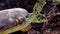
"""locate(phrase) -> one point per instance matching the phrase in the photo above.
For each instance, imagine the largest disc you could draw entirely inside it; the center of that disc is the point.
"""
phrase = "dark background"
(26, 4)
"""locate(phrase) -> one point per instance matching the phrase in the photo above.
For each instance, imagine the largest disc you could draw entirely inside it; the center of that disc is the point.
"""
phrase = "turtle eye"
(1, 28)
